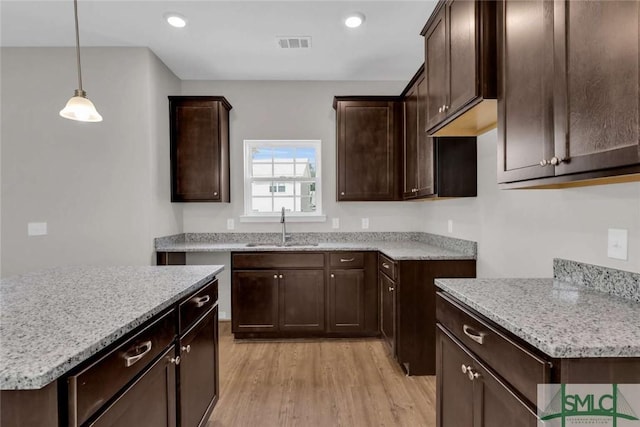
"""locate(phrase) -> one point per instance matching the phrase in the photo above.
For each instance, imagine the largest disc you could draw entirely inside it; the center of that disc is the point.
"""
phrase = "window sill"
(289, 218)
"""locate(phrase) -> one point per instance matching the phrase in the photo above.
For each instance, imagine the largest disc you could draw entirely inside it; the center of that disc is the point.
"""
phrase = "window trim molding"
(316, 216)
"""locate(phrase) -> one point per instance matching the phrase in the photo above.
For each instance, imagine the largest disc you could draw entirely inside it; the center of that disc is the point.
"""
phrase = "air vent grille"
(294, 42)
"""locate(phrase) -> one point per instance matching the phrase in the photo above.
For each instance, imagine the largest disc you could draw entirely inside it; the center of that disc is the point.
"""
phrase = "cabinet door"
(199, 370)
(197, 155)
(388, 311)
(410, 143)
(436, 70)
(367, 150)
(149, 402)
(598, 91)
(461, 52)
(425, 147)
(454, 395)
(301, 300)
(346, 300)
(525, 90)
(254, 301)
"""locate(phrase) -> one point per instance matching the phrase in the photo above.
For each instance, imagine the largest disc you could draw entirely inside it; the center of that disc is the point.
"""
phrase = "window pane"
(283, 169)
(261, 188)
(283, 154)
(262, 204)
(279, 202)
(262, 169)
(305, 204)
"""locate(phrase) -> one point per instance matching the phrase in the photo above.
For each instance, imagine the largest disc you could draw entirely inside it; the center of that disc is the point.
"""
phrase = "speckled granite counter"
(53, 320)
(561, 318)
(399, 246)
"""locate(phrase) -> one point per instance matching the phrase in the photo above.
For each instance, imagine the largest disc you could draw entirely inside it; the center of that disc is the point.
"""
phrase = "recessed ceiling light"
(354, 20)
(176, 20)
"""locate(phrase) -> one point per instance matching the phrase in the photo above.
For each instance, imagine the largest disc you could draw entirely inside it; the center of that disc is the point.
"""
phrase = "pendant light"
(79, 107)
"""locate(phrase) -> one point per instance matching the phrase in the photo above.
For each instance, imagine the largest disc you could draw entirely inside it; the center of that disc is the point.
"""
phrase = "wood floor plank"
(290, 383)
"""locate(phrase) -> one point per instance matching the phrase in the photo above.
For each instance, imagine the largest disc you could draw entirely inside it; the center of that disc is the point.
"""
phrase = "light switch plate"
(365, 223)
(231, 224)
(335, 223)
(617, 244)
(450, 226)
(37, 229)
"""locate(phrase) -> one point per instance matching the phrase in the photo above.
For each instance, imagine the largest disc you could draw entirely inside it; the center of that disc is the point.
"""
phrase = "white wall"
(519, 232)
(99, 186)
(290, 110)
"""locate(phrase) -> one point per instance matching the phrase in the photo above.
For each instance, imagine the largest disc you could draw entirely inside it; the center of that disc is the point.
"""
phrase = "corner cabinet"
(578, 116)
(434, 167)
(460, 68)
(369, 131)
(199, 130)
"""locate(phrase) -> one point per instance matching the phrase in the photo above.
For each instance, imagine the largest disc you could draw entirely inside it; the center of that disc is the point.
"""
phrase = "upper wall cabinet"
(369, 131)
(199, 148)
(460, 66)
(569, 92)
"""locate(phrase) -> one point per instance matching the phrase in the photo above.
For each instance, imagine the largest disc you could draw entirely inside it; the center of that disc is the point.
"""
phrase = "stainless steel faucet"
(284, 228)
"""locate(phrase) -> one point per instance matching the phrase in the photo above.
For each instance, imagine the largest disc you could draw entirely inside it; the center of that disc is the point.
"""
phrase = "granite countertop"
(560, 318)
(403, 246)
(51, 321)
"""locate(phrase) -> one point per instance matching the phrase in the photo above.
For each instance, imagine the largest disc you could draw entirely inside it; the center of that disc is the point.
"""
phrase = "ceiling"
(236, 40)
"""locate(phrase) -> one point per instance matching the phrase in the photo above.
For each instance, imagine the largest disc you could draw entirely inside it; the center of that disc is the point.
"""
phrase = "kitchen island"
(498, 339)
(76, 341)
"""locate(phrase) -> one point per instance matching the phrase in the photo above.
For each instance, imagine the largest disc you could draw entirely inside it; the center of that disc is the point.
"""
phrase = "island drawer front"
(197, 305)
(265, 260)
(94, 386)
(346, 260)
(523, 369)
(388, 266)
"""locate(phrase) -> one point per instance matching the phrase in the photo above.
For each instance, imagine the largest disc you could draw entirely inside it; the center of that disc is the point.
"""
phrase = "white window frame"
(249, 215)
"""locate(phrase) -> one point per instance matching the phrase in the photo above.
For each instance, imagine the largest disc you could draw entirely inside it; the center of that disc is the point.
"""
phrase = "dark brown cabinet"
(460, 63)
(408, 316)
(254, 301)
(346, 293)
(578, 116)
(199, 129)
(301, 294)
(469, 394)
(149, 401)
(199, 383)
(368, 148)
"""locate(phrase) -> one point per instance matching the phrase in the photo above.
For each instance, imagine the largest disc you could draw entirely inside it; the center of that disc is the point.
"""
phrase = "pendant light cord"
(75, 9)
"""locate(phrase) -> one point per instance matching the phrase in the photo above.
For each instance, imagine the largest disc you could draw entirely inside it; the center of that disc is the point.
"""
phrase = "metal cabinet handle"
(465, 368)
(342, 193)
(347, 259)
(186, 348)
(141, 351)
(391, 289)
(202, 300)
(175, 360)
(215, 193)
(280, 276)
(472, 375)
(440, 110)
(275, 276)
(332, 276)
(385, 265)
(474, 335)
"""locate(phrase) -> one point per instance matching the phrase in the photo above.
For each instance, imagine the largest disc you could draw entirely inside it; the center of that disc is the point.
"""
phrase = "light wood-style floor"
(317, 383)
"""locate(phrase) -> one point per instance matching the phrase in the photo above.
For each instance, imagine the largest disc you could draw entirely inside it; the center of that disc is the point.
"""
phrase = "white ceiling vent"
(294, 42)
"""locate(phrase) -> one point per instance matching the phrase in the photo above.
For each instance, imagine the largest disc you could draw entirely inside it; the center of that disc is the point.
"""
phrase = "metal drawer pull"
(202, 300)
(333, 276)
(186, 348)
(467, 370)
(385, 265)
(347, 260)
(142, 350)
(175, 360)
(476, 336)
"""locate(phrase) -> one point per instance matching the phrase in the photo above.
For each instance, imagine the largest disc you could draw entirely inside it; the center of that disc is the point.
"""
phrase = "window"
(281, 174)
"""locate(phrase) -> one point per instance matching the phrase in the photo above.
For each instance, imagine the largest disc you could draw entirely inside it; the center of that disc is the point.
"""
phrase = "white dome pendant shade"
(79, 107)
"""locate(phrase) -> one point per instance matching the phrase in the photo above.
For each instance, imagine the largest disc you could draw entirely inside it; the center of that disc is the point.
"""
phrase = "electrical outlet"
(365, 223)
(335, 223)
(231, 224)
(617, 244)
(37, 229)
(450, 226)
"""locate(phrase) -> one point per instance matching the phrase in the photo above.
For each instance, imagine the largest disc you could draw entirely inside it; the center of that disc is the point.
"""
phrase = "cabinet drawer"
(95, 385)
(347, 260)
(519, 366)
(265, 260)
(197, 305)
(388, 266)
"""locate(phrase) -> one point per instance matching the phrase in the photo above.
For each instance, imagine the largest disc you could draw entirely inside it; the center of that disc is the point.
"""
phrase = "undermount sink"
(288, 244)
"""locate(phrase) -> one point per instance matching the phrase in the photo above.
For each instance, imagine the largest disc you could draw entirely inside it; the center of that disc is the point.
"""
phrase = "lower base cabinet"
(301, 304)
(198, 380)
(149, 401)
